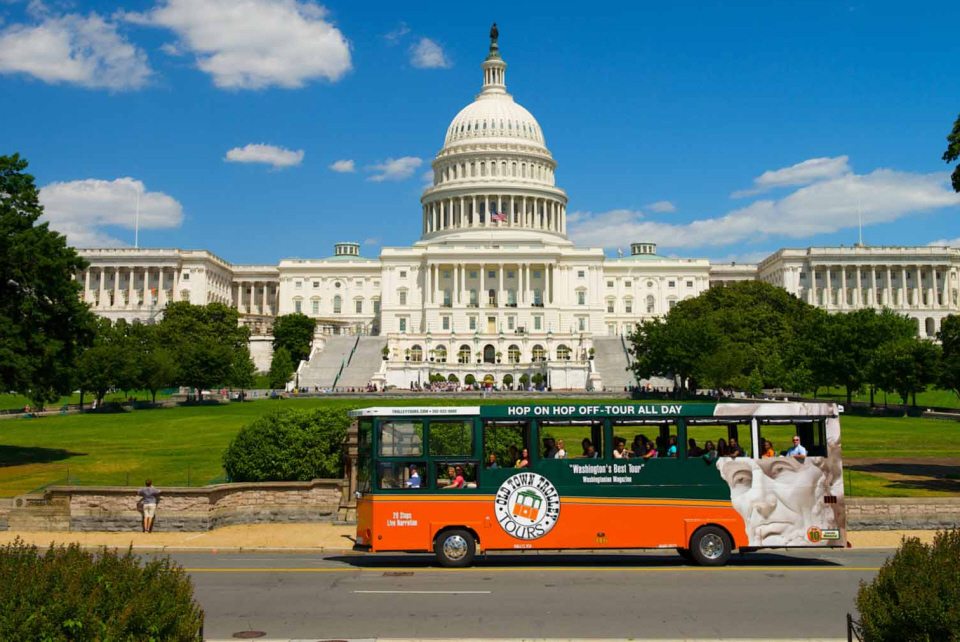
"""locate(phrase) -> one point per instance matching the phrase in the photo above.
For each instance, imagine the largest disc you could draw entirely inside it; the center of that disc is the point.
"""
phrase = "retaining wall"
(893, 513)
(111, 508)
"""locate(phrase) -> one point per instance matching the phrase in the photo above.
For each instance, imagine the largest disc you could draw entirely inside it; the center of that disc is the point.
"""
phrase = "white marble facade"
(494, 276)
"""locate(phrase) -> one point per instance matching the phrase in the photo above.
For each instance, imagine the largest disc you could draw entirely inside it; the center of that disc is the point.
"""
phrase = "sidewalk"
(314, 538)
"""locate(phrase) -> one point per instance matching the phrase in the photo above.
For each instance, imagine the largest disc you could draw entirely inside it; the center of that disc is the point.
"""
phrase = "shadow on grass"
(913, 475)
(21, 455)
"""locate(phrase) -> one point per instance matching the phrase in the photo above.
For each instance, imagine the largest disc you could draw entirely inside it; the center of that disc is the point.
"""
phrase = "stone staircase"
(611, 361)
(324, 365)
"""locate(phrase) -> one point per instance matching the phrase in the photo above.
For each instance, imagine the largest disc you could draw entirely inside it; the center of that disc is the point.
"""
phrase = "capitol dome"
(494, 174)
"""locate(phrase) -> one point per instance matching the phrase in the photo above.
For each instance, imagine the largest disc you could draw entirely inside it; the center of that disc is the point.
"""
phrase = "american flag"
(495, 215)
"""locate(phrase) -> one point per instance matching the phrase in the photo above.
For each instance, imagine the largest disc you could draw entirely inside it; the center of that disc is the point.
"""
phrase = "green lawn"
(928, 399)
(17, 402)
(175, 446)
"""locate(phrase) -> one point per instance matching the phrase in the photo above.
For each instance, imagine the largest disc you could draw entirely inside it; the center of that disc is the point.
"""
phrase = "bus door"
(400, 454)
(504, 442)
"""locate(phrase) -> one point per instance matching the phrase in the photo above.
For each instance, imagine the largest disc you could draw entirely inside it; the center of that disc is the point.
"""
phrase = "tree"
(242, 371)
(106, 363)
(906, 366)
(159, 371)
(949, 336)
(953, 153)
(204, 341)
(295, 333)
(281, 367)
(43, 323)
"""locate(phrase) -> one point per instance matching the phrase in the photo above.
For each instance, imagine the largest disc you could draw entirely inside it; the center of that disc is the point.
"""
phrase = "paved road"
(651, 595)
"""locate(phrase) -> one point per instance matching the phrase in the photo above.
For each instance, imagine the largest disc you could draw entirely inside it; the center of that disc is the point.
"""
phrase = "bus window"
(724, 435)
(402, 475)
(364, 453)
(454, 475)
(780, 434)
(577, 439)
(451, 438)
(504, 440)
(401, 438)
(647, 439)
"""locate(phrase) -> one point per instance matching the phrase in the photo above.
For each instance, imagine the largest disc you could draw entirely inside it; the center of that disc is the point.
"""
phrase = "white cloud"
(81, 50)
(804, 173)
(945, 242)
(395, 169)
(81, 209)
(427, 54)
(253, 44)
(662, 207)
(824, 207)
(373, 240)
(278, 157)
(344, 166)
(397, 34)
(427, 178)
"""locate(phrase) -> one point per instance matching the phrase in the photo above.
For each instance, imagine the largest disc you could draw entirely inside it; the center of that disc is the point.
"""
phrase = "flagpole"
(136, 227)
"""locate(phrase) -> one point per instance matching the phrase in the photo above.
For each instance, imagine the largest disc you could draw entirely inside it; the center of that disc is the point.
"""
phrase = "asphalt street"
(794, 594)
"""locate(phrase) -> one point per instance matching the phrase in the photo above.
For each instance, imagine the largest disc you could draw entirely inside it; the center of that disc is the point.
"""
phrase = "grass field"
(927, 399)
(181, 446)
(17, 402)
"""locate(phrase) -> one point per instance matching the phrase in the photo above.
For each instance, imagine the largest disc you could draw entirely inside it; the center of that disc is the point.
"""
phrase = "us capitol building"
(494, 288)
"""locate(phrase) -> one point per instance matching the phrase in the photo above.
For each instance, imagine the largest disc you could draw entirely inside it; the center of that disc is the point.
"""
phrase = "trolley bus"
(704, 479)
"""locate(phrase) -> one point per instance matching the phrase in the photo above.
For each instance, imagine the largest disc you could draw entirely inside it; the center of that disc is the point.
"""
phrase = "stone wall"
(893, 513)
(109, 508)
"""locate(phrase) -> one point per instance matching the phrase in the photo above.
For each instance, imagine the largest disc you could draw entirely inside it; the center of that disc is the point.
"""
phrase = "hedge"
(65, 593)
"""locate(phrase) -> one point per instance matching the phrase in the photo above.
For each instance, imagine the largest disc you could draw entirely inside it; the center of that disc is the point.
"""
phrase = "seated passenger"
(709, 452)
(722, 449)
(561, 451)
(591, 452)
(619, 450)
(524, 460)
(456, 478)
(549, 448)
(796, 450)
(651, 451)
(768, 450)
(414, 480)
(512, 454)
(693, 450)
(638, 447)
(672, 446)
(492, 462)
(734, 449)
(586, 443)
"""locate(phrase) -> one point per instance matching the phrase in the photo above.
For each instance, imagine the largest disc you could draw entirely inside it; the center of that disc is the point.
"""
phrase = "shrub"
(289, 445)
(66, 593)
(916, 594)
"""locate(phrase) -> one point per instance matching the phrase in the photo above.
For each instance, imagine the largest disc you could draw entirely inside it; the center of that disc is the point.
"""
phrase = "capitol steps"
(611, 361)
(365, 363)
(322, 368)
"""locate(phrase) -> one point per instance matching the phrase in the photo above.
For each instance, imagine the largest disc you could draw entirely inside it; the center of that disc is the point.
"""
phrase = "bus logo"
(527, 506)
(814, 534)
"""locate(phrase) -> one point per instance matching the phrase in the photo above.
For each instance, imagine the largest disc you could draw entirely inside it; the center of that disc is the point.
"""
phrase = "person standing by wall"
(149, 496)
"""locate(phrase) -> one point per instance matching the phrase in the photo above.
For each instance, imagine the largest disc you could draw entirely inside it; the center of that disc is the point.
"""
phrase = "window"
(337, 304)
(580, 439)
(651, 304)
(723, 433)
(463, 354)
(627, 284)
(628, 306)
(297, 306)
(416, 353)
(538, 322)
(298, 284)
(671, 303)
(581, 297)
(511, 322)
(403, 324)
(513, 354)
(473, 323)
(512, 298)
(689, 284)
(510, 274)
(451, 438)
(440, 354)
(447, 299)
(395, 475)
(635, 435)
(473, 298)
(563, 353)
(403, 274)
(538, 298)
(316, 284)
(403, 297)
(186, 276)
(445, 321)
(337, 284)
(609, 284)
(473, 274)
(537, 353)
(402, 438)
(649, 284)
(315, 306)
(446, 274)
(671, 284)
(610, 306)
(582, 324)
(581, 274)
(536, 274)
(504, 440)
(447, 472)
(376, 306)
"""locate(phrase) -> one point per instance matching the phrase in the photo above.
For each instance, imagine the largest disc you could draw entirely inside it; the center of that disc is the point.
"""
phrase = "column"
(427, 285)
(843, 286)
(131, 277)
(463, 282)
(828, 299)
(102, 291)
(86, 283)
(461, 220)
(874, 298)
(858, 291)
(548, 275)
(521, 284)
(888, 291)
(501, 300)
(936, 291)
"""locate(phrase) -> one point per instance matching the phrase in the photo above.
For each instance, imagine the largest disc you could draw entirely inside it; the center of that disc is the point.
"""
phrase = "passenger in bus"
(512, 454)
(561, 450)
(734, 449)
(693, 450)
(672, 446)
(492, 462)
(722, 449)
(639, 446)
(549, 448)
(651, 451)
(796, 450)
(591, 452)
(414, 480)
(768, 450)
(456, 478)
(620, 449)
(586, 443)
(709, 453)
(524, 459)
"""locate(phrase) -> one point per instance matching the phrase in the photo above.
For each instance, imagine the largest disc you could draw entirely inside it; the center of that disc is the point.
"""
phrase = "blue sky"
(722, 130)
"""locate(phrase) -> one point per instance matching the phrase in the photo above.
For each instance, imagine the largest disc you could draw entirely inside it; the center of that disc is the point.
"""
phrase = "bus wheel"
(455, 548)
(710, 546)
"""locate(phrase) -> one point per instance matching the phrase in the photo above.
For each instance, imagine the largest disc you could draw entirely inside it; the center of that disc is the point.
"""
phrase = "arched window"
(416, 353)
(563, 352)
(440, 354)
(463, 354)
(337, 304)
(651, 304)
(513, 354)
(492, 297)
(489, 354)
(931, 326)
(537, 353)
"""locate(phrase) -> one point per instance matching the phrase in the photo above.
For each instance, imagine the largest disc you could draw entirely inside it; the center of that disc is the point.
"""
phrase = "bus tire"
(455, 548)
(710, 546)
